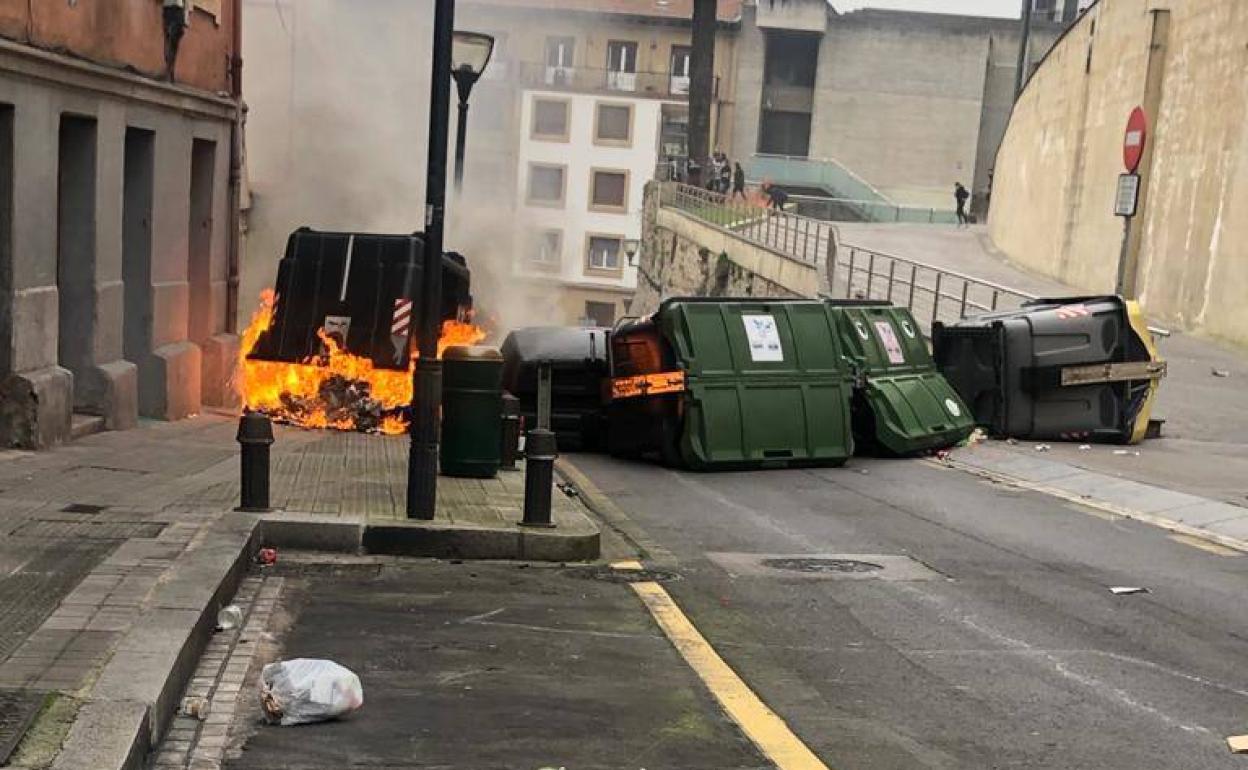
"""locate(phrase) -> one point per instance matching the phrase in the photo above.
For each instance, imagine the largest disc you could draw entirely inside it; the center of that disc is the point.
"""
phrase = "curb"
(1152, 519)
(612, 515)
(432, 540)
(136, 695)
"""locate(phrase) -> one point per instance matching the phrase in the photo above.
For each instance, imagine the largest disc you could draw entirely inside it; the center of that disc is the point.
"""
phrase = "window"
(604, 253)
(613, 124)
(600, 313)
(550, 119)
(608, 191)
(621, 56)
(622, 65)
(678, 83)
(546, 185)
(547, 248)
(559, 51)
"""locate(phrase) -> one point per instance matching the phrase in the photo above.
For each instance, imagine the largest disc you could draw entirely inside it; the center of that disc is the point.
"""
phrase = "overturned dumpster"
(901, 404)
(578, 363)
(718, 384)
(362, 290)
(1078, 368)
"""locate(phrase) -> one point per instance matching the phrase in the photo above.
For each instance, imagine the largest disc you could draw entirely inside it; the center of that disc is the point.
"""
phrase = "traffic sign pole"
(1126, 201)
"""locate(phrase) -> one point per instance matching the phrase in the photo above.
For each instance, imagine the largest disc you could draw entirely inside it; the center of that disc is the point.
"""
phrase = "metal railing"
(538, 75)
(791, 235)
(931, 293)
(832, 209)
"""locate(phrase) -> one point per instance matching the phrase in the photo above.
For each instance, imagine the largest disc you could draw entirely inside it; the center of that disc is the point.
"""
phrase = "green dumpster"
(902, 405)
(472, 411)
(717, 384)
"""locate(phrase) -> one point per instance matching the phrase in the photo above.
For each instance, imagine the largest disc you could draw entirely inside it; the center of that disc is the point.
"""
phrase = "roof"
(728, 10)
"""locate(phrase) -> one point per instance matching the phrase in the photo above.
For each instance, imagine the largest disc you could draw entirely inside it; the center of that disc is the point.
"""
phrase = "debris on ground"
(1128, 590)
(344, 402)
(1085, 447)
(1012, 441)
(977, 437)
(304, 690)
(944, 455)
(267, 556)
(1043, 447)
(1127, 452)
(1221, 373)
(229, 617)
(197, 708)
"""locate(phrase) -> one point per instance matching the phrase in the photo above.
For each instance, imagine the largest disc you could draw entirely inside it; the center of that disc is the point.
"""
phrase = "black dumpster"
(578, 358)
(1077, 368)
(362, 289)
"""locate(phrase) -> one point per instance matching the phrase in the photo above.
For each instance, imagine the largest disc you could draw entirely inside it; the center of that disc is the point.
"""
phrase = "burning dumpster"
(731, 383)
(1079, 368)
(332, 344)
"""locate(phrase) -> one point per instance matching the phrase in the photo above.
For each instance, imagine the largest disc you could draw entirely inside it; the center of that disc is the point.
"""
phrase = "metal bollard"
(511, 432)
(255, 436)
(540, 452)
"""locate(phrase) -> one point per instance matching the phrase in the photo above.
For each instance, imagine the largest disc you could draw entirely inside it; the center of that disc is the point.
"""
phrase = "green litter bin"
(472, 411)
(902, 404)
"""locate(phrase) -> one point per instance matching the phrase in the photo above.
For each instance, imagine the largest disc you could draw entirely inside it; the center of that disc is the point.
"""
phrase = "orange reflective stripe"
(647, 384)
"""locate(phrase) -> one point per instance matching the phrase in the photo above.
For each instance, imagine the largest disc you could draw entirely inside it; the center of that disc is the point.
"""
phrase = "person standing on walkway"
(738, 181)
(725, 176)
(960, 195)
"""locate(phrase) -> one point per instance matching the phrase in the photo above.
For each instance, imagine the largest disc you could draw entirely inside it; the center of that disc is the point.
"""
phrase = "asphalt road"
(990, 638)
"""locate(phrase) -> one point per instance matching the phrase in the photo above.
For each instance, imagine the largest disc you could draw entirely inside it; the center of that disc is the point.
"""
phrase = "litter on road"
(1221, 373)
(1128, 590)
(1043, 447)
(303, 690)
(229, 617)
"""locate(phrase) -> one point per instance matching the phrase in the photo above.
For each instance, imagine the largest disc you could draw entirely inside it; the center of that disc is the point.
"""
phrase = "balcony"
(652, 85)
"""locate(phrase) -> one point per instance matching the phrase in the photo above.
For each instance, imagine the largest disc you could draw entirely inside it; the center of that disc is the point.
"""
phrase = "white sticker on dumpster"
(888, 338)
(764, 337)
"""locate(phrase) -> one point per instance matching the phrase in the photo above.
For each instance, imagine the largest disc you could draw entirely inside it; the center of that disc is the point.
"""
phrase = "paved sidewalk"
(118, 549)
(1204, 451)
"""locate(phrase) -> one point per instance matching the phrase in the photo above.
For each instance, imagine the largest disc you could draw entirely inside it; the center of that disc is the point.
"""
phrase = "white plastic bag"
(304, 690)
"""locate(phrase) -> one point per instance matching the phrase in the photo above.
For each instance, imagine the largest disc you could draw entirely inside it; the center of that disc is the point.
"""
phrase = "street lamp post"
(470, 52)
(422, 460)
(631, 247)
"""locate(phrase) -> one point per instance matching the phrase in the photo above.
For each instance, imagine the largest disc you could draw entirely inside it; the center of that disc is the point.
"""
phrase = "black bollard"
(511, 431)
(255, 436)
(540, 452)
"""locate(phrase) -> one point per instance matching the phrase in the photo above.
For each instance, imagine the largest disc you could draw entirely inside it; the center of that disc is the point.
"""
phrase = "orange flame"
(292, 393)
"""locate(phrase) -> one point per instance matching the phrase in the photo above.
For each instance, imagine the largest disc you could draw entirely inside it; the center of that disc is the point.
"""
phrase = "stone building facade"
(118, 212)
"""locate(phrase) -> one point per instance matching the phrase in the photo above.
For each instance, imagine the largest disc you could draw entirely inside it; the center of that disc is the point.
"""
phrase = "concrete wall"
(682, 257)
(1058, 166)
(64, 252)
(127, 34)
(910, 102)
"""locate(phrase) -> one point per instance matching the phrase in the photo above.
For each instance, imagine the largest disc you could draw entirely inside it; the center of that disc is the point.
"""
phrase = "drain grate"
(83, 508)
(608, 574)
(18, 708)
(822, 565)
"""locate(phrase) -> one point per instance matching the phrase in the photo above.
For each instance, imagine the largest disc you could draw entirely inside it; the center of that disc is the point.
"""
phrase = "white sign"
(952, 407)
(1128, 196)
(888, 338)
(764, 337)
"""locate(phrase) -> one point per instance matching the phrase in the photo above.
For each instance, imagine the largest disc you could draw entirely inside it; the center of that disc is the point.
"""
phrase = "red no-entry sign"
(1134, 140)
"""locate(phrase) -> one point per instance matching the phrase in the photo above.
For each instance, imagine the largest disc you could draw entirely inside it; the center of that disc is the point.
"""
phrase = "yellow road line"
(1238, 744)
(1204, 545)
(628, 566)
(760, 724)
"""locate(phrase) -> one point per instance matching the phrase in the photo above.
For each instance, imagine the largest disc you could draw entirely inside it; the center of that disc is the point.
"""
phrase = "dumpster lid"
(471, 353)
(556, 343)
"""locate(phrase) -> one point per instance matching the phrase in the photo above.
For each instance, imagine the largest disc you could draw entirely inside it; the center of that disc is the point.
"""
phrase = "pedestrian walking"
(725, 177)
(738, 181)
(960, 195)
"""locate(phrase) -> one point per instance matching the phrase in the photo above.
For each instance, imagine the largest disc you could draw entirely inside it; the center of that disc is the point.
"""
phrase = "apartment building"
(117, 213)
(600, 108)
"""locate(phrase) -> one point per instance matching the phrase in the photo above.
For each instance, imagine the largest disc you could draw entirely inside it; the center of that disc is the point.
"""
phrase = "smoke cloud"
(338, 94)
